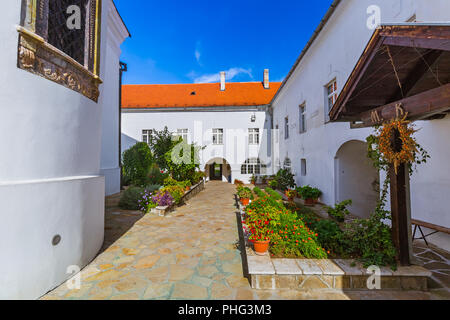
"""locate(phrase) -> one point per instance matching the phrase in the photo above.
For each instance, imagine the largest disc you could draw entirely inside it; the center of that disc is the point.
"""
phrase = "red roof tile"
(197, 95)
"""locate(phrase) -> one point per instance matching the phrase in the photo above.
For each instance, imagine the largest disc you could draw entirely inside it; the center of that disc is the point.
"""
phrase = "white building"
(229, 119)
(57, 88)
(332, 156)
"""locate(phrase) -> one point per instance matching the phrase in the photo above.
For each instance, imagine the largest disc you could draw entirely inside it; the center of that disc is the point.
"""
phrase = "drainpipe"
(123, 68)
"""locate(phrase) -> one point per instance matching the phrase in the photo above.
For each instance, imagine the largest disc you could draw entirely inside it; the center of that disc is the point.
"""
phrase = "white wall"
(110, 166)
(236, 123)
(334, 55)
(50, 182)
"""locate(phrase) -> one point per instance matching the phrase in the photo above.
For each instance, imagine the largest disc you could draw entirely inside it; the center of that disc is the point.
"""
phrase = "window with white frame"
(287, 164)
(217, 136)
(286, 128)
(253, 136)
(146, 136)
(302, 111)
(332, 96)
(303, 167)
(184, 134)
(253, 166)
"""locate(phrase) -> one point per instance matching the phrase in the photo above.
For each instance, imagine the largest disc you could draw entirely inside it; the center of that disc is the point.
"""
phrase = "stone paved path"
(191, 254)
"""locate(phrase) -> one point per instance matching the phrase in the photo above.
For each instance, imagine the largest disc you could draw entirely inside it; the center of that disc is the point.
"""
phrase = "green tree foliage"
(182, 161)
(162, 142)
(136, 164)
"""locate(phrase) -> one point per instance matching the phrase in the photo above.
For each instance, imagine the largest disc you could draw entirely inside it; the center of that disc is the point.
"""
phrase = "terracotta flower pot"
(245, 202)
(309, 202)
(261, 247)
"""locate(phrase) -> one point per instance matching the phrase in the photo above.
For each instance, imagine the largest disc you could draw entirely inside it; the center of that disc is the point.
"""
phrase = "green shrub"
(339, 211)
(169, 181)
(274, 194)
(136, 164)
(156, 175)
(308, 192)
(244, 193)
(198, 177)
(330, 236)
(259, 192)
(130, 198)
(152, 188)
(273, 184)
(285, 179)
(183, 161)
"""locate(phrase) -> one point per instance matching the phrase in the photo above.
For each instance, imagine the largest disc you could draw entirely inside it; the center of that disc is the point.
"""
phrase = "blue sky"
(191, 41)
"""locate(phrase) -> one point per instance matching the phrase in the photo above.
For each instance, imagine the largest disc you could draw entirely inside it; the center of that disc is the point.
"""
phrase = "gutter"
(123, 68)
(316, 33)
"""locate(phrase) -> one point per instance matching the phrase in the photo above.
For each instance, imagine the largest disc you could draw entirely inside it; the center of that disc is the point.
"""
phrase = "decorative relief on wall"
(40, 58)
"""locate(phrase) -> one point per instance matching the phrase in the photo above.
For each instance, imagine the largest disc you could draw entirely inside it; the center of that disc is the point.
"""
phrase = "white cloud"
(230, 74)
(197, 52)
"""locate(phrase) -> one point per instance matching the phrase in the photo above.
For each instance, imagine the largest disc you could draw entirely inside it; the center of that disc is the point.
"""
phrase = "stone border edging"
(196, 189)
(316, 274)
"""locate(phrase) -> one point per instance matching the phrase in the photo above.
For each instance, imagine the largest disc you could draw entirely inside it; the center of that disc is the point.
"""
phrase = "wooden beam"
(437, 44)
(368, 55)
(417, 73)
(401, 218)
(419, 106)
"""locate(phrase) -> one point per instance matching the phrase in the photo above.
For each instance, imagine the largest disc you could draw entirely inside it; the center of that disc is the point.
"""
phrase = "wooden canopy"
(404, 68)
(403, 72)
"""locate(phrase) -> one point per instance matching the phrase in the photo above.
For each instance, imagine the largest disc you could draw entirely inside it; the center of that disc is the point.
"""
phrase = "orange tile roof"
(206, 95)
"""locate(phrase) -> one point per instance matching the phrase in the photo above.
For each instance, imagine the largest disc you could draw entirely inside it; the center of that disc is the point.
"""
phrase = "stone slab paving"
(193, 253)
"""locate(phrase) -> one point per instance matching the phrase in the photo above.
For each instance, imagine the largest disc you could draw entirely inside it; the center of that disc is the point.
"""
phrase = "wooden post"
(400, 208)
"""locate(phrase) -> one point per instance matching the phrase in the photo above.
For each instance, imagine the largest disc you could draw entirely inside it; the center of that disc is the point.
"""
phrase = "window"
(59, 40)
(253, 166)
(184, 134)
(217, 136)
(331, 95)
(303, 167)
(253, 136)
(147, 136)
(286, 128)
(302, 111)
(287, 164)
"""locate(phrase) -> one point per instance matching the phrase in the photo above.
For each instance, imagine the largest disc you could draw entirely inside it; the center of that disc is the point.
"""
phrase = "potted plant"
(253, 180)
(339, 211)
(291, 194)
(264, 179)
(309, 194)
(261, 220)
(245, 195)
(273, 184)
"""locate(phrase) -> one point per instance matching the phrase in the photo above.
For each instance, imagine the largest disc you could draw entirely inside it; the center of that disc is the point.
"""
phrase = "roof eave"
(316, 33)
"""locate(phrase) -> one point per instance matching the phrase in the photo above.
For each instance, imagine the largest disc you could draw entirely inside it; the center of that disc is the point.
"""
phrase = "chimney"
(266, 79)
(222, 81)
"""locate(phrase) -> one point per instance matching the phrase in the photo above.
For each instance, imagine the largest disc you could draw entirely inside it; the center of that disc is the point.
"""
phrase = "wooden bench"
(419, 224)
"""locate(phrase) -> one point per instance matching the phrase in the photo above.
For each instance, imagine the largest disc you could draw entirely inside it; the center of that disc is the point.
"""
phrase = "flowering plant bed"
(293, 270)
(266, 218)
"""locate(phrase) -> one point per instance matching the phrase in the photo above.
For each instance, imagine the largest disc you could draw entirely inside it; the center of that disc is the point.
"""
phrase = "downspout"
(123, 68)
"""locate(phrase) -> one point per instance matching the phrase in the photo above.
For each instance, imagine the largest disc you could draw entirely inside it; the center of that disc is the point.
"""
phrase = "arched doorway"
(356, 178)
(218, 169)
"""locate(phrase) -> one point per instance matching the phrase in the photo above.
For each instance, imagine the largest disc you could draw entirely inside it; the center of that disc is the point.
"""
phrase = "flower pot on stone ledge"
(261, 247)
(245, 201)
(309, 202)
